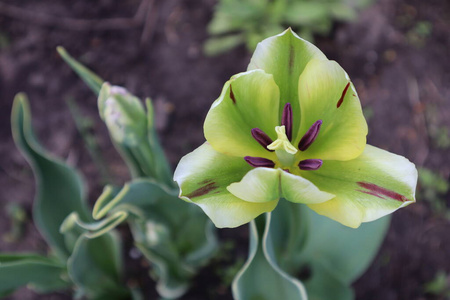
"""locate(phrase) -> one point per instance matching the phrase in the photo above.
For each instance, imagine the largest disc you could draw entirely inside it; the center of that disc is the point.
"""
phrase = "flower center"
(285, 151)
(283, 148)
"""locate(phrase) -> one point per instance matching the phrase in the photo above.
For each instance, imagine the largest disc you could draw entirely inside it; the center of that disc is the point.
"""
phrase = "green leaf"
(324, 285)
(305, 13)
(93, 229)
(160, 163)
(140, 193)
(60, 189)
(333, 254)
(95, 266)
(85, 126)
(343, 12)
(261, 277)
(174, 235)
(147, 158)
(41, 273)
(166, 230)
(344, 251)
(219, 45)
(89, 77)
(128, 154)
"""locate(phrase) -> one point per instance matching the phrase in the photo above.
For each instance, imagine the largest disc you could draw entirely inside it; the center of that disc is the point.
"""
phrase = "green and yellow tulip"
(292, 127)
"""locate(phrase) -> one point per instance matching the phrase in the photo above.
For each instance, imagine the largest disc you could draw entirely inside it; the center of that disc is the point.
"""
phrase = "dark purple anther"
(259, 162)
(286, 120)
(309, 136)
(262, 138)
(310, 164)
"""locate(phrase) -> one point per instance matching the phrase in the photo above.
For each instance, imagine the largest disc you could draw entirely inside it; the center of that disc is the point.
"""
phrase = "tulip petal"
(300, 190)
(367, 188)
(259, 185)
(285, 56)
(203, 176)
(326, 94)
(262, 185)
(248, 100)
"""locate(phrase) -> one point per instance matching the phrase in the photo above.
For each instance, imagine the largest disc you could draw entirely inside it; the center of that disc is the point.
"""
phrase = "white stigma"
(283, 148)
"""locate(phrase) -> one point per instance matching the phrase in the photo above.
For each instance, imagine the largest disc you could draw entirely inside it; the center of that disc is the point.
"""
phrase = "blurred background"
(180, 53)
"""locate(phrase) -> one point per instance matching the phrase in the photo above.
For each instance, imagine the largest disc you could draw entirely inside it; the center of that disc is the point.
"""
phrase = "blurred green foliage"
(419, 33)
(237, 22)
(433, 188)
(18, 218)
(85, 127)
(439, 286)
(438, 132)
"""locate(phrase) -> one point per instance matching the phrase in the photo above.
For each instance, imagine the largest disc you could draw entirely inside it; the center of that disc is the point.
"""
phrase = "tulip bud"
(123, 114)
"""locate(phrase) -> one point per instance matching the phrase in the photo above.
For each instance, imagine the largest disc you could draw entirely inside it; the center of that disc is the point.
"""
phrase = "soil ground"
(396, 54)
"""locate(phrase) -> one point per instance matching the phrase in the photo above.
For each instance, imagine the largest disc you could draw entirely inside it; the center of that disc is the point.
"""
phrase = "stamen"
(259, 162)
(309, 136)
(286, 120)
(262, 138)
(310, 164)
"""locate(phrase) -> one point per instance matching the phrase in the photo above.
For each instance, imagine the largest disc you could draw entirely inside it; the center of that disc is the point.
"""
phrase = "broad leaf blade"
(335, 255)
(95, 266)
(18, 270)
(174, 235)
(261, 278)
(323, 285)
(60, 189)
(343, 251)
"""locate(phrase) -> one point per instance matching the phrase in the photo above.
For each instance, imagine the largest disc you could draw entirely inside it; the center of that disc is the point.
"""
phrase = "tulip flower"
(292, 128)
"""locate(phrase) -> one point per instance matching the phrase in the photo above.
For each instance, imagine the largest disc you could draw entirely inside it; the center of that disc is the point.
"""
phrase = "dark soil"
(401, 72)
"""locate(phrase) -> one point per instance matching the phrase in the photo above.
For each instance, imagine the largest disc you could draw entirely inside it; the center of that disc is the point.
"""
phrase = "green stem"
(162, 166)
(144, 160)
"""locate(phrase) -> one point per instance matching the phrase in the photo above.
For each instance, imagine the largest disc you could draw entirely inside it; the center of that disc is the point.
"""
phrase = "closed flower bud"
(123, 114)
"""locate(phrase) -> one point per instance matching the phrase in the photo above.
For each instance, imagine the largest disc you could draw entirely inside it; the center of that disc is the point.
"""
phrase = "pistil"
(283, 148)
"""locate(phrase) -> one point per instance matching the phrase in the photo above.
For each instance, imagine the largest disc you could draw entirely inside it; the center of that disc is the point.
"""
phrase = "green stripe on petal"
(203, 176)
(285, 56)
(367, 188)
(262, 185)
(342, 135)
(248, 100)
